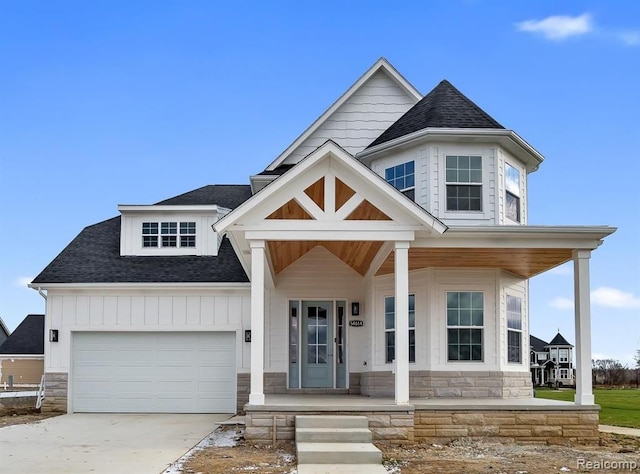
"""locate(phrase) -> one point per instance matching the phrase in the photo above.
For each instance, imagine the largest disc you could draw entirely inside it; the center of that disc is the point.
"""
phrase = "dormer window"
(464, 183)
(512, 193)
(402, 177)
(168, 235)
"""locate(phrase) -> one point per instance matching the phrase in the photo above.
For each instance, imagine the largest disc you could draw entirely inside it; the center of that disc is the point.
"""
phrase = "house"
(4, 331)
(383, 258)
(551, 362)
(22, 354)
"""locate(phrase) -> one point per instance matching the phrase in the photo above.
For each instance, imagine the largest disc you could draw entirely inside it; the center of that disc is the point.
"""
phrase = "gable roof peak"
(382, 64)
(444, 107)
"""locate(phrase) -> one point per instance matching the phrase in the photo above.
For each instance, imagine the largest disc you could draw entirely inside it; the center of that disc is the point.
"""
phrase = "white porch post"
(584, 392)
(402, 322)
(256, 396)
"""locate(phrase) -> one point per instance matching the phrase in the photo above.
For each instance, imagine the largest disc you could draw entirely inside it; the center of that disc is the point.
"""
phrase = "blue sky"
(111, 102)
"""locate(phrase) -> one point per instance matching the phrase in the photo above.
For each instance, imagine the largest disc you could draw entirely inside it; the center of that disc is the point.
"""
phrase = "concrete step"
(331, 421)
(333, 435)
(341, 469)
(338, 453)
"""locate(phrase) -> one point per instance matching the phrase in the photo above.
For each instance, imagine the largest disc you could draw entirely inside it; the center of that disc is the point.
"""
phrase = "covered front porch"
(330, 201)
(431, 420)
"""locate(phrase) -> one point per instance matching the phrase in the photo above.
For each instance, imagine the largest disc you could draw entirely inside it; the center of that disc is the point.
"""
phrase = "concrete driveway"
(102, 443)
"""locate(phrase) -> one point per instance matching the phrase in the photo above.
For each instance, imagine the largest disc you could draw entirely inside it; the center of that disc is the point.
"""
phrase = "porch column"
(256, 396)
(584, 391)
(402, 322)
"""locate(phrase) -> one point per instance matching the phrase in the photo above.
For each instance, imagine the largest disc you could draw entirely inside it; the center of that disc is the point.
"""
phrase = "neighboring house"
(22, 354)
(4, 332)
(551, 362)
(386, 254)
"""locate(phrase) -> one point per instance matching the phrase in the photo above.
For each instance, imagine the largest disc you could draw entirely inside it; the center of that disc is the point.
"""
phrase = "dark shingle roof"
(28, 338)
(559, 341)
(536, 344)
(278, 171)
(94, 255)
(443, 107)
(224, 195)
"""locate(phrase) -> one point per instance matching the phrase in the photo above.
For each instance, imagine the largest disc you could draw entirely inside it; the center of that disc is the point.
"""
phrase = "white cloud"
(566, 269)
(561, 303)
(630, 38)
(614, 298)
(23, 281)
(558, 27)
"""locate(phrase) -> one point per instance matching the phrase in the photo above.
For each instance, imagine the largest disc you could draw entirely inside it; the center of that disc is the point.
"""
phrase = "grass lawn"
(619, 407)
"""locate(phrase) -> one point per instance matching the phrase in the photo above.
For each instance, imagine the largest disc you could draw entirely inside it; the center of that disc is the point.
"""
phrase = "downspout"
(42, 293)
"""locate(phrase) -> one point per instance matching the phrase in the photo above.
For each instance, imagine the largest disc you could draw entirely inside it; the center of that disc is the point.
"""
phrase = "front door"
(317, 344)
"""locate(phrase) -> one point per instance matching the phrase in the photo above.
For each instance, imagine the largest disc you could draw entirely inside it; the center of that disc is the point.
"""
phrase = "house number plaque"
(356, 323)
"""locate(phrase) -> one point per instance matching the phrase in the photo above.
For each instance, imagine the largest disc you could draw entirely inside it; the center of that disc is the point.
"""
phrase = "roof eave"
(507, 138)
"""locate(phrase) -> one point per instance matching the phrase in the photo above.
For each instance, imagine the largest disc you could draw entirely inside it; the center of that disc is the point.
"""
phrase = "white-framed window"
(465, 326)
(563, 355)
(512, 193)
(390, 331)
(402, 177)
(554, 355)
(149, 234)
(463, 176)
(564, 373)
(542, 356)
(169, 234)
(514, 329)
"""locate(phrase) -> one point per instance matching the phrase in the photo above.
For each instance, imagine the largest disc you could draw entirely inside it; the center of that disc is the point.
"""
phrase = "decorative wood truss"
(327, 199)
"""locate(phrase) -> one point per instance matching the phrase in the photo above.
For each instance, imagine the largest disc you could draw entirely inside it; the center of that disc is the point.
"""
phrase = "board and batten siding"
(318, 275)
(145, 310)
(207, 242)
(377, 104)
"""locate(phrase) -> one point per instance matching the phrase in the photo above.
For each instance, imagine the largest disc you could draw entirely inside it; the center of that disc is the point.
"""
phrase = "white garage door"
(154, 372)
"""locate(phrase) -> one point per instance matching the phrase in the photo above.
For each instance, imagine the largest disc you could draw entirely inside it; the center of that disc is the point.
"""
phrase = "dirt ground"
(614, 454)
(21, 417)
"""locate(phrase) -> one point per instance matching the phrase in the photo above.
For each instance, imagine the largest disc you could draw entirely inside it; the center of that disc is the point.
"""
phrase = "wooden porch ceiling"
(525, 262)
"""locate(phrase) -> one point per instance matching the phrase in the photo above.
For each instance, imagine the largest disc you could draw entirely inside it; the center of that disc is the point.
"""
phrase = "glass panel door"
(317, 344)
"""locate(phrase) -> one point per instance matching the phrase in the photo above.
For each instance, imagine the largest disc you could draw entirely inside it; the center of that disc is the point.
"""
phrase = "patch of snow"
(222, 437)
(565, 469)
(287, 457)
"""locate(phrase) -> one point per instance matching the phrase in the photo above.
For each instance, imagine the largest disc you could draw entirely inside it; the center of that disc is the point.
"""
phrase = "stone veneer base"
(408, 425)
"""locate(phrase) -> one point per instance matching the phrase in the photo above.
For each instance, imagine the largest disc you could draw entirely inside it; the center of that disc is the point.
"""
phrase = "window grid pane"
(465, 319)
(389, 326)
(169, 228)
(402, 177)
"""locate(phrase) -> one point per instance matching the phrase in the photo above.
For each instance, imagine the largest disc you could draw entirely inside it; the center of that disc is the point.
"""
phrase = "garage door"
(152, 372)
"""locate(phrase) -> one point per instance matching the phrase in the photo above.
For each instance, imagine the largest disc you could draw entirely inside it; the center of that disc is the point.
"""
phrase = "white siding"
(430, 287)
(376, 105)
(207, 241)
(149, 310)
(318, 275)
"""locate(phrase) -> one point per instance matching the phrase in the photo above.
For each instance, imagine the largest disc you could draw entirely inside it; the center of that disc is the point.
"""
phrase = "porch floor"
(355, 403)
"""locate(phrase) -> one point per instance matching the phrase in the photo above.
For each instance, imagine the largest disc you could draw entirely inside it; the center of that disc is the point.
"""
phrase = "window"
(554, 354)
(464, 183)
(564, 373)
(389, 328)
(542, 356)
(564, 355)
(512, 193)
(402, 177)
(187, 234)
(514, 329)
(465, 323)
(166, 234)
(149, 234)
